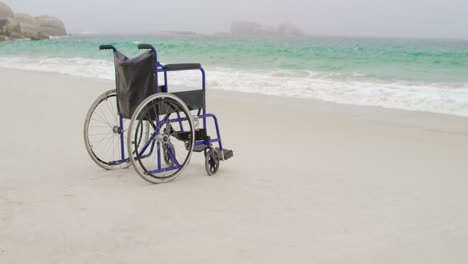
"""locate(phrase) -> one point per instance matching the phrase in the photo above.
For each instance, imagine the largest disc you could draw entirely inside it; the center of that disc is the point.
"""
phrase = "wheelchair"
(141, 124)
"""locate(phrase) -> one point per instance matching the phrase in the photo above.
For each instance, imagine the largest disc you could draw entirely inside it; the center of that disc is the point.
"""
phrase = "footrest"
(227, 153)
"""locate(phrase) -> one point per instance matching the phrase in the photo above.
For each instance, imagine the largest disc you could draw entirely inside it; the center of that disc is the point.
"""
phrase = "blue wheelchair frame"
(160, 68)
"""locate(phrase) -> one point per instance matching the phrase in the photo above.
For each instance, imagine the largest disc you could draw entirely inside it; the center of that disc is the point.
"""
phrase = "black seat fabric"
(135, 80)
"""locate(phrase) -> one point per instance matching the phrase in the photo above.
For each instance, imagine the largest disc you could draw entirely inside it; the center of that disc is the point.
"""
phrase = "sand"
(310, 182)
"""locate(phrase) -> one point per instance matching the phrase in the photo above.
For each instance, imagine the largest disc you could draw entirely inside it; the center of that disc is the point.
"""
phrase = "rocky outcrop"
(27, 23)
(288, 30)
(30, 27)
(5, 14)
(5, 11)
(12, 26)
(251, 29)
(51, 26)
(3, 23)
(21, 26)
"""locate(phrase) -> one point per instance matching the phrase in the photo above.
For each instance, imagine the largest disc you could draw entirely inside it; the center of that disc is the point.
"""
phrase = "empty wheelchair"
(141, 124)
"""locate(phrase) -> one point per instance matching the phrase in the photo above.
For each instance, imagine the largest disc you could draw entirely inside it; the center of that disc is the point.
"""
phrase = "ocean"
(415, 75)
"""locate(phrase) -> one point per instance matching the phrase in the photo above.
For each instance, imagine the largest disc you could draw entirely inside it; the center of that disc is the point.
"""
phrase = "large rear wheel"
(168, 149)
(104, 133)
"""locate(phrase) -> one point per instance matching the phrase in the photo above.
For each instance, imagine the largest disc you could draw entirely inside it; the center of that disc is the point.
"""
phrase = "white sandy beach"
(310, 182)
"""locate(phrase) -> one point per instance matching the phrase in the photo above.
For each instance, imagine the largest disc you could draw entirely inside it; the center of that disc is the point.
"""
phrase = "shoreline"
(377, 108)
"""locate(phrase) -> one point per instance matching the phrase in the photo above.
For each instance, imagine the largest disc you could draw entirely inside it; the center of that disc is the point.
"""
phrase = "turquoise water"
(412, 60)
(423, 75)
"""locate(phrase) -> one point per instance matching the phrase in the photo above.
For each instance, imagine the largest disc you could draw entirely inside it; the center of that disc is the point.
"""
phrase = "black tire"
(102, 132)
(212, 161)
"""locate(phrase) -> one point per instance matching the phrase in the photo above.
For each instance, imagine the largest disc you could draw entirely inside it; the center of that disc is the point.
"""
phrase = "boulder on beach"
(5, 14)
(3, 23)
(25, 18)
(12, 26)
(51, 26)
(16, 35)
(21, 26)
(5, 11)
(29, 27)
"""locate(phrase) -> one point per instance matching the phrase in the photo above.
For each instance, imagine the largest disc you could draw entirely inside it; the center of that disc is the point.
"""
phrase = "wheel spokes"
(103, 132)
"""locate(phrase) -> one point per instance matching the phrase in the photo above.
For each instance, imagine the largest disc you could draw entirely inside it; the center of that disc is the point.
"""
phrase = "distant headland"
(24, 26)
(249, 30)
(252, 29)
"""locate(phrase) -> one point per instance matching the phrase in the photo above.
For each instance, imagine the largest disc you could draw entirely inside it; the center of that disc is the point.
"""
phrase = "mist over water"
(374, 18)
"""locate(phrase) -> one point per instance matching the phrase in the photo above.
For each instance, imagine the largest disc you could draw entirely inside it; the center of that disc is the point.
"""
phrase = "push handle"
(145, 46)
(106, 47)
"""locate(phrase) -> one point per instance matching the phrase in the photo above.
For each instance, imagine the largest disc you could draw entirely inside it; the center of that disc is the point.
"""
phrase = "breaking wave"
(357, 89)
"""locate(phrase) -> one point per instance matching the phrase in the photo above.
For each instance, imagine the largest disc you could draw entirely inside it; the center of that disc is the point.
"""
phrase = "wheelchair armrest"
(182, 66)
(145, 46)
(107, 47)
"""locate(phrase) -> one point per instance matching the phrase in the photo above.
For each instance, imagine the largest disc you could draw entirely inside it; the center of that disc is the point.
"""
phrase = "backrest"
(135, 80)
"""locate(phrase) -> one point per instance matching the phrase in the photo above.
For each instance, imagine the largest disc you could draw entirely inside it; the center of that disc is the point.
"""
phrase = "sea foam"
(448, 98)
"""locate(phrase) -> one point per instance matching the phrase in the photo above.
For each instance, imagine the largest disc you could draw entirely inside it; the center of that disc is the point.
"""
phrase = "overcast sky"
(380, 18)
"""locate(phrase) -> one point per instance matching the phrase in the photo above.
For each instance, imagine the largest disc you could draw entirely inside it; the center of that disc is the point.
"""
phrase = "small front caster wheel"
(212, 160)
